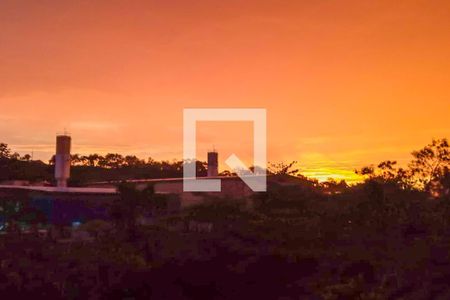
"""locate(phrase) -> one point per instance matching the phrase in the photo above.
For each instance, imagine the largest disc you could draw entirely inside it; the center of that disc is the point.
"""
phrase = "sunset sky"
(345, 83)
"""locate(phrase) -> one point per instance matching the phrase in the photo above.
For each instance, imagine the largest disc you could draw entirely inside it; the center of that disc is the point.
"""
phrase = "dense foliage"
(373, 241)
(89, 168)
(385, 238)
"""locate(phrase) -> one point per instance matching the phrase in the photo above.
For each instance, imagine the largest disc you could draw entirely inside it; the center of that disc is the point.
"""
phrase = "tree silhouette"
(4, 151)
(431, 162)
(75, 159)
(132, 204)
(132, 160)
(14, 156)
(283, 168)
(91, 160)
(111, 160)
(387, 172)
(26, 157)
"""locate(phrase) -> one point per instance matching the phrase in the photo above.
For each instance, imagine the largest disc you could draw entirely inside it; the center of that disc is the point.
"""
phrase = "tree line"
(381, 239)
(428, 170)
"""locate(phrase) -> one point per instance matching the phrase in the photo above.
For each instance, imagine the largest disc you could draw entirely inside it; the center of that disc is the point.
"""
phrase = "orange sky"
(345, 83)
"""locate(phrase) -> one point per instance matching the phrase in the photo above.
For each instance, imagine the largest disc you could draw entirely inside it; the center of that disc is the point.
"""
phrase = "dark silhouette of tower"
(213, 163)
(62, 160)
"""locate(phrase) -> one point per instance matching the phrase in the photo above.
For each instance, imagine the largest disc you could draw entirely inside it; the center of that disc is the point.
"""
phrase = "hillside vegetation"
(386, 238)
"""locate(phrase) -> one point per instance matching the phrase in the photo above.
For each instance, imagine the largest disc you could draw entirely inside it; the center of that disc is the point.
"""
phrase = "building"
(213, 164)
(62, 160)
(63, 205)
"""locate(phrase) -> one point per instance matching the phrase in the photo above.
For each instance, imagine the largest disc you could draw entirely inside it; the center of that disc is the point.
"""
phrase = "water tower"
(213, 163)
(62, 159)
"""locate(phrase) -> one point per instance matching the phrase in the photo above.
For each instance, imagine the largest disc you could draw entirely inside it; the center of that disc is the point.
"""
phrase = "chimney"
(62, 160)
(213, 164)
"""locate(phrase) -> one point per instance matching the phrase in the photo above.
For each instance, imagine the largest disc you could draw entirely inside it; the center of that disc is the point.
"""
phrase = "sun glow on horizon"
(333, 174)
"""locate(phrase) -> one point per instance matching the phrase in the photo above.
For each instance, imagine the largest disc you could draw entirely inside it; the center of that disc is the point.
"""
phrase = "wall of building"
(231, 187)
(62, 208)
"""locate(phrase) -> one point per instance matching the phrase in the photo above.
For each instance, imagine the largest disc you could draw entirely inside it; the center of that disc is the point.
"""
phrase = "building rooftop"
(53, 189)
